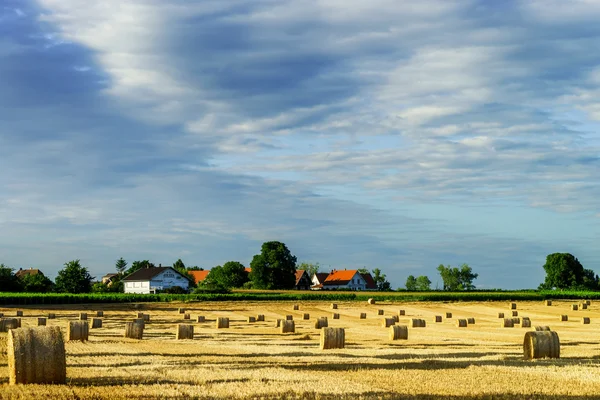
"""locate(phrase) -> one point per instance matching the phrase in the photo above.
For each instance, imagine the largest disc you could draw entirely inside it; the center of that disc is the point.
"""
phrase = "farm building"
(345, 280)
(318, 279)
(23, 272)
(151, 280)
(302, 280)
(107, 279)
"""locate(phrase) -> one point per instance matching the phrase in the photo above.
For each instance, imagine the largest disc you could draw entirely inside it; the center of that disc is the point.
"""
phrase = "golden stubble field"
(256, 361)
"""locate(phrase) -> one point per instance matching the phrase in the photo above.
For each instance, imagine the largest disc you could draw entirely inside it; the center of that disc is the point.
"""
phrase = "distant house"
(108, 278)
(349, 280)
(151, 280)
(318, 279)
(302, 280)
(199, 276)
(23, 272)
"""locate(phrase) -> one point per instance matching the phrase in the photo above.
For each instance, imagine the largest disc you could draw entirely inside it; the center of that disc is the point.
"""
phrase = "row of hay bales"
(82, 315)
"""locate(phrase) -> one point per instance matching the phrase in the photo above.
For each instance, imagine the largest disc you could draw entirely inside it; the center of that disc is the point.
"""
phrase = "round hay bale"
(296, 307)
(513, 306)
(18, 322)
(516, 320)
(525, 322)
(321, 322)
(461, 323)
(336, 316)
(448, 315)
(185, 331)
(41, 321)
(186, 316)
(181, 310)
(363, 315)
(379, 312)
(134, 330)
(1, 315)
(78, 330)
(83, 316)
(200, 318)
(287, 326)
(36, 355)
(542, 328)
(401, 312)
(333, 338)
(19, 313)
(437, 318)
(515, 313)
(371, 301)
(507, 323)
(145, 317)
(306, 316)
(251, 320)
(96, 323)
(334, 306)
(260, 318)
(585, 320)
(470, 321)
(418, 323)
(222, 323)
(278, 322)
(386, 322)
(51, 316)
(541, 344)
(396, 318)
(8, 323)
(500, 315)
(140, 321)
(548, 303)
(289, 317)
(99, 314)
(564, 317)
(583, 306)
(574, 307)
(398, 332)
(588, 302)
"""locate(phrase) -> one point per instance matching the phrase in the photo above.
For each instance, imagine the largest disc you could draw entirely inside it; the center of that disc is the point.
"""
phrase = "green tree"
(564, 271)
(310, 268)
(8, 280)
(139, 265)
(99, 287)
(37, 283)
(179, 266)
(456, 279)
(411, 283)
(231, 275)
(423, 283)
(120, 265)
(73, 279)
(381, 281)
(274, 267)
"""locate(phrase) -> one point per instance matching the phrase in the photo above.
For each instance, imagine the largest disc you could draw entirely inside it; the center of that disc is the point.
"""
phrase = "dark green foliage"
(8, 280)
(138, 265)
(231, 275)
(73, 279)
(36, 283)
(457, 279)
(423, 283)
(381, 281)
(310, 268)
(120, 265)
(99, 287)
(411, 283)
(564, 271)
(175, 290)
(274, 267)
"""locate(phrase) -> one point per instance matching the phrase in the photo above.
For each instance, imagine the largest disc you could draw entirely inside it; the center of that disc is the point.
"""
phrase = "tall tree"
(423, 283)
(457, 279)
(120, 265)
(380, 280)
(411, 283)
(564, 271)
(73, 278)
(310, 268)
(231, 275)
(274, 267)
(8, 280)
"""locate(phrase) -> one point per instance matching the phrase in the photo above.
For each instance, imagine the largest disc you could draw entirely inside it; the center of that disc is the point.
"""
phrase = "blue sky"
(389, 134)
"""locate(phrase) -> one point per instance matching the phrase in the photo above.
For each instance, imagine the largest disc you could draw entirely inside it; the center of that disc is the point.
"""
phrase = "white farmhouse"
(151, 280)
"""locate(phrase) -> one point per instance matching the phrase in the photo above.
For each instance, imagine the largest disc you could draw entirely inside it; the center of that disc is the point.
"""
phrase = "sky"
(386, 134)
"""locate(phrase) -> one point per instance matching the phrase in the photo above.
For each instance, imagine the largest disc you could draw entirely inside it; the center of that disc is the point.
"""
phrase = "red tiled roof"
(22, 272)
(340, 277)
(370, 281)
(199, 276)
(248, 270)
(299, 274)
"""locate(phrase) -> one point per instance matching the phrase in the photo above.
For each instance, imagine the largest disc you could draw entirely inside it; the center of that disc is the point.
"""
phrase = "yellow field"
(256, 361)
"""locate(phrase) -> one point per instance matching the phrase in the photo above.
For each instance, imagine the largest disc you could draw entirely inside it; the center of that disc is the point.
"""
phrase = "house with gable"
(318, 279)
(302, 280)
(151, 280)
(349, 280)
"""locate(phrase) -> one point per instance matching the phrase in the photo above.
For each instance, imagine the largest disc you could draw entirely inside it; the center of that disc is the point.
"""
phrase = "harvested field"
(256, 361)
